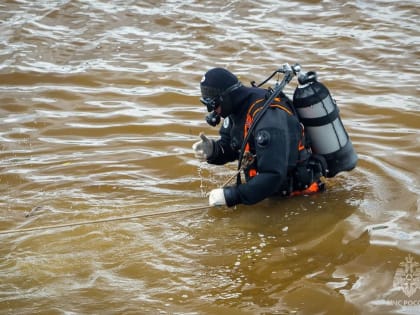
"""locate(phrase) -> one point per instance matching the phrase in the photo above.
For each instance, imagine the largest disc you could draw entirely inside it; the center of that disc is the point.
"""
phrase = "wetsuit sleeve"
(274, 141)
(222, 152)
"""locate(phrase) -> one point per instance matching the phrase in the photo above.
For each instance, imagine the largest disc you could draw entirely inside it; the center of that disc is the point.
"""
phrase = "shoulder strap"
(255, 112)
(288, 75)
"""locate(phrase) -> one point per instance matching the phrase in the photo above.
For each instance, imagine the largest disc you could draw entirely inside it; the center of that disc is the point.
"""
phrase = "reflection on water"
(99, 108)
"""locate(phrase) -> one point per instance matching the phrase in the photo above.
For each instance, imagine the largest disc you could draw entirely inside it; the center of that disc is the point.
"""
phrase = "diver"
(279, 160)
(272, 150)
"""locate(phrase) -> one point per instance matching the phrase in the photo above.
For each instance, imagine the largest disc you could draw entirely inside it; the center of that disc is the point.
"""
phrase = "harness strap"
(305, 179)
(253, 110)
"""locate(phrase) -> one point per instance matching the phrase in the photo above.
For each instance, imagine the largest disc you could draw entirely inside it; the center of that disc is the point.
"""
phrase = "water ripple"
(99, 108)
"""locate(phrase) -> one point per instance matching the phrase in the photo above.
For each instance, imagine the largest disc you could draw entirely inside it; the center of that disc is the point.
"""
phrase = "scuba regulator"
(213, 119)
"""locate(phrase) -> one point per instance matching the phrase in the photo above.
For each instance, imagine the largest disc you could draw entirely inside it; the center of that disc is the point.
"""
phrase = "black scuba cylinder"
(319, 113)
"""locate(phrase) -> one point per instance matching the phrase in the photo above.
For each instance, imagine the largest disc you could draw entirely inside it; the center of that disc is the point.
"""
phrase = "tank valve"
(308, 77)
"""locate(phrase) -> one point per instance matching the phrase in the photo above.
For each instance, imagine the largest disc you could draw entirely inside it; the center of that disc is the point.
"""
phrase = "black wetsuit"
(275, 142)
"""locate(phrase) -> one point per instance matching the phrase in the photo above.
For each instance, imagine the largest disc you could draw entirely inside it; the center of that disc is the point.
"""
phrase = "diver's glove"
(217, 197)
(203, 149)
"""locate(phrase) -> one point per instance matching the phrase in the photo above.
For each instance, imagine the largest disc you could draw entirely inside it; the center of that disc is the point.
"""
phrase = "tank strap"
(321, 121)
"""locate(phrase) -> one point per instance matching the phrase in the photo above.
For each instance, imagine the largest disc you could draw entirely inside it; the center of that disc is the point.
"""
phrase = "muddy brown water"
(98, 111)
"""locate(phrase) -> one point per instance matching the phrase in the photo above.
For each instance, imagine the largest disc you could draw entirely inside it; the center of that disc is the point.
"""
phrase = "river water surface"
(99, 107)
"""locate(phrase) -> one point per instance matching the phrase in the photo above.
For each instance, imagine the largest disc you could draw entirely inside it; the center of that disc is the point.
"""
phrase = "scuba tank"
(319, 114)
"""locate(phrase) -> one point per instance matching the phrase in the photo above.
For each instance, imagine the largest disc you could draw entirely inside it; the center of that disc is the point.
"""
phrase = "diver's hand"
(217, 197)
(203, 149)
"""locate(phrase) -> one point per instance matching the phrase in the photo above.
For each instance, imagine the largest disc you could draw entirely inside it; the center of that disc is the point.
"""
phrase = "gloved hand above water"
(203, 149)
(217, 197)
